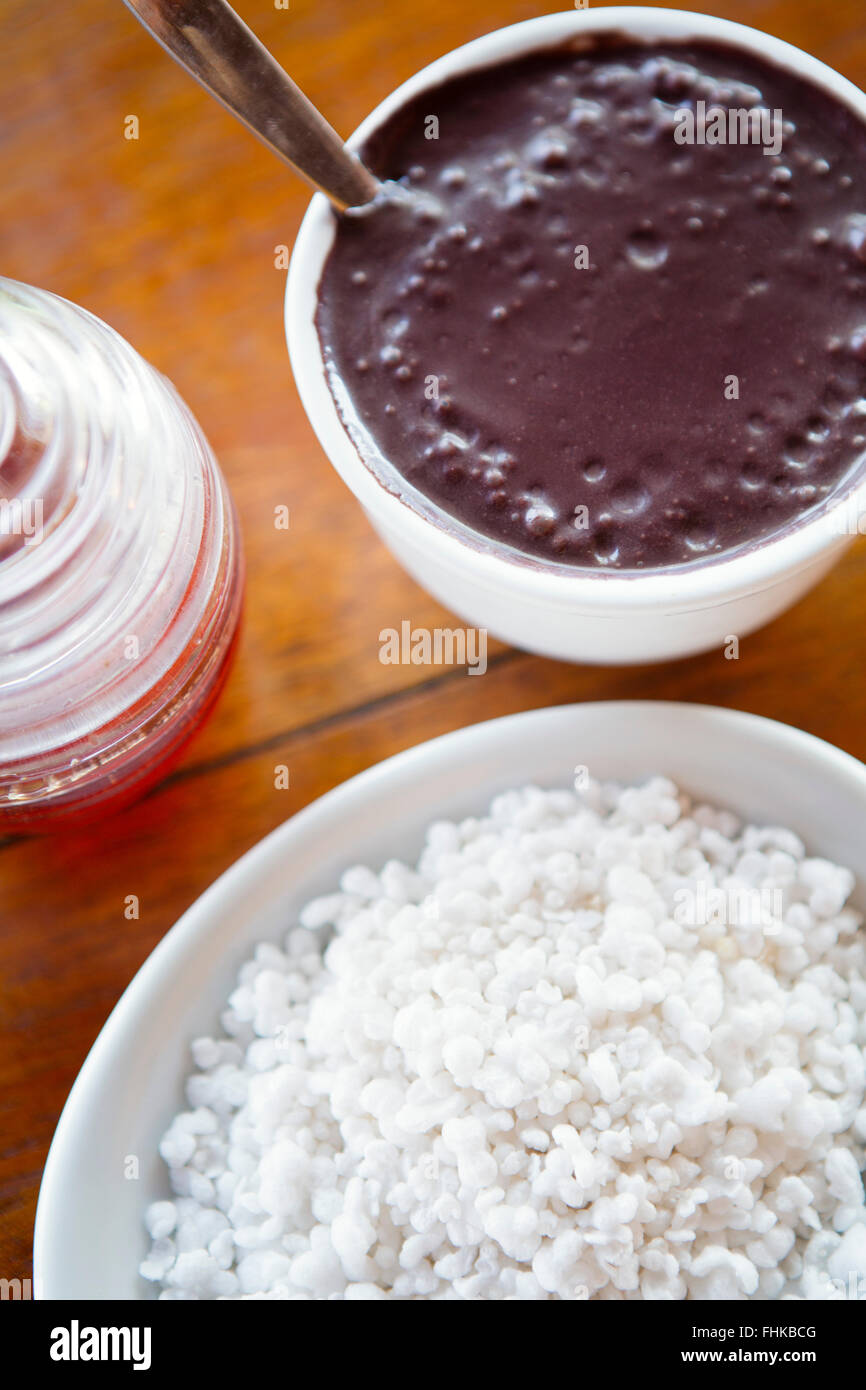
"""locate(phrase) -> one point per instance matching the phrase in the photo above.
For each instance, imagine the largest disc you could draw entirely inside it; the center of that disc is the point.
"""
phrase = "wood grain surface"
(172, 238)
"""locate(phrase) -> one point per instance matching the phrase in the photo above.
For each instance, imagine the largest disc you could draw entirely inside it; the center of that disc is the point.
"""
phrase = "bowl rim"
(188, 939)
(420, 521)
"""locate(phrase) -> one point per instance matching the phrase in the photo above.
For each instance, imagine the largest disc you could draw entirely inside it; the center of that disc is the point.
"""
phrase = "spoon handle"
(215, 46)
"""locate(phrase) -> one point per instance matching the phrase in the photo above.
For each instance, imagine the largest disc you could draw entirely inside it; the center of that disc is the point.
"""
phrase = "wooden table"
(172, 239)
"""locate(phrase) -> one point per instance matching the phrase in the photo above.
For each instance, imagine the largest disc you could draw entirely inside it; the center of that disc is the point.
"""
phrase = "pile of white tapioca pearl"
(553, 1060)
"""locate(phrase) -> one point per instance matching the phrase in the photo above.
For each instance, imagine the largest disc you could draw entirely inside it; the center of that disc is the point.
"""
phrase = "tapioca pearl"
(757, 423)
(630, 498)
(781, 174)
(640, 129)
(645, 248)
(498, 457)
(359, 277)
(835, 400)
(715, 473)
(395, 323)
(562, 541)
(817, 429)
(390, 355)
(594, 470)
(671, 81)
(797, 452)
(747, 95)
(700, 536)
(857, 343)
(665, 118)
(605, 546)
(758, 284)
(751, 477)
(540, 516)
(454, 176)
(853, 236)
(847, 378)
(550, 150)
(716, 91)
(519, 257)
(521, 196)
(451, 445)
(593, 173)
(781, 484)
(680, 164)
(541, 526)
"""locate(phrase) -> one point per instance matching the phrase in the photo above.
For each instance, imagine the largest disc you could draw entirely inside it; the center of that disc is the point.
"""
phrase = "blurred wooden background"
(172, 239)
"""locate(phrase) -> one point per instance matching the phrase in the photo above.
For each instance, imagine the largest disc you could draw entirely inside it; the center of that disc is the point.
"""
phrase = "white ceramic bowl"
(575, 616)
(89, 1233)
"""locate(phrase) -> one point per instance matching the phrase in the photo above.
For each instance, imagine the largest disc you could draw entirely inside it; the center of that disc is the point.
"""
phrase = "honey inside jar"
(120, 566)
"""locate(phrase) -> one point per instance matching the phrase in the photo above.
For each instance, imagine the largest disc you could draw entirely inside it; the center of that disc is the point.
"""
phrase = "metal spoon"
(215, 46)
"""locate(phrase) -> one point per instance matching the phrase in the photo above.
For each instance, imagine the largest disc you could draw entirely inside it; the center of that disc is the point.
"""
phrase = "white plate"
(89, 1235)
